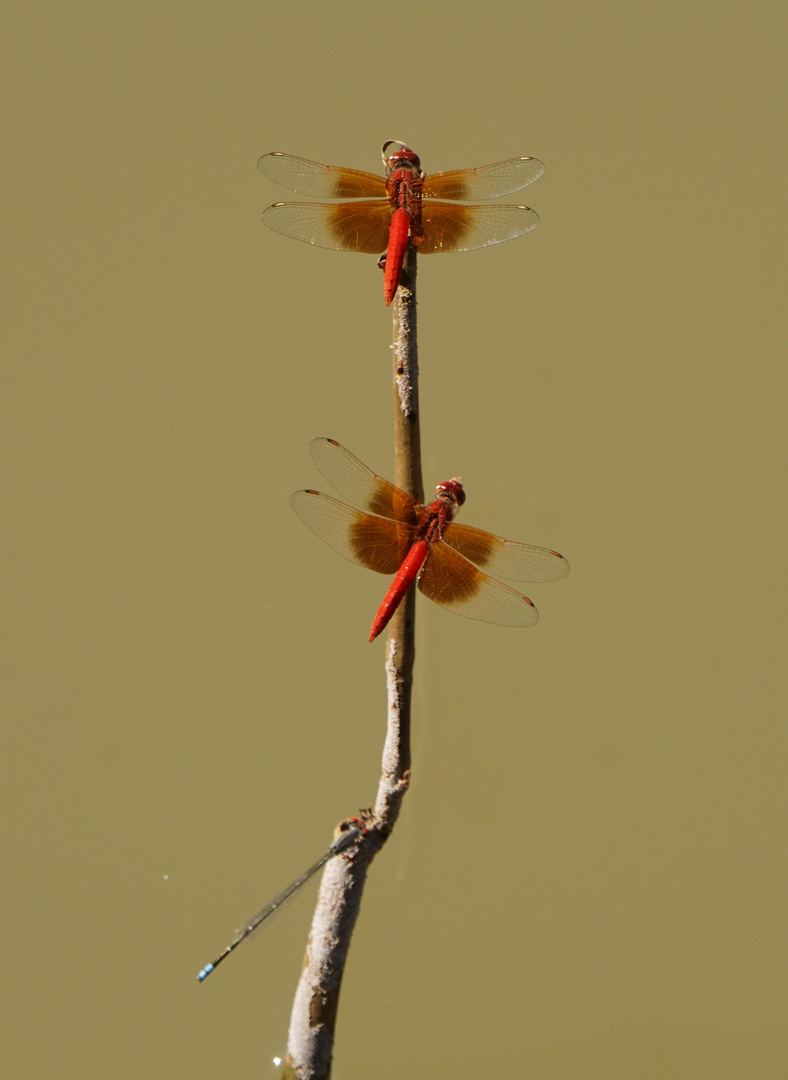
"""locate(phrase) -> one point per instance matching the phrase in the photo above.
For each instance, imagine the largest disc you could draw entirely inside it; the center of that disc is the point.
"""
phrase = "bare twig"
(311, 1037)
(400, 645)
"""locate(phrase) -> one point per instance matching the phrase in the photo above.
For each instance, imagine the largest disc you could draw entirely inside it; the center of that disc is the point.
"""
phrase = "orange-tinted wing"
(489, 182)
(374, 542)
(454, 227)
(324, 181)
(355, 481)
(522, 562)
(349, 226)
(451, 581)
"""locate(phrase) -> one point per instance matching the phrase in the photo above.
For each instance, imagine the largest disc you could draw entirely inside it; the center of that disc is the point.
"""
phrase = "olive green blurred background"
(588, 879)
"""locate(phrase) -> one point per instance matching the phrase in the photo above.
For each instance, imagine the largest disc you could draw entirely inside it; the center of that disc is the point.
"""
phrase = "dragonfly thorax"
(449, 497)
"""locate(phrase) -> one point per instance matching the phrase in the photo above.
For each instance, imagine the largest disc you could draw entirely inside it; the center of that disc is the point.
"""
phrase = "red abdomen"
(395, 256)
(406, 575)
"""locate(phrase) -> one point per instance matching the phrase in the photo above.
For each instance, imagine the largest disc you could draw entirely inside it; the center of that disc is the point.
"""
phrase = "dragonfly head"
(402, 157)
(451, 492)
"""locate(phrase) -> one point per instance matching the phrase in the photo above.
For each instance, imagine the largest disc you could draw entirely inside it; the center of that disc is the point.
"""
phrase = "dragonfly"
(388, 531)
(403, 204)
(342, 843)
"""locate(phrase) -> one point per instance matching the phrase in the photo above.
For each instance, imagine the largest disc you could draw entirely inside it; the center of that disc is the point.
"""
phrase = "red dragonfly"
(421, 543)
(391, 209)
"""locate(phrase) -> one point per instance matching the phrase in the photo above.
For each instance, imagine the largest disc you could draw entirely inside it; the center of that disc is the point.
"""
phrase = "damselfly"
(342, 843)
